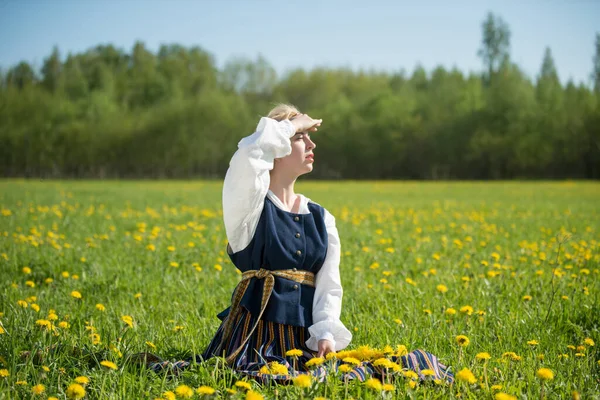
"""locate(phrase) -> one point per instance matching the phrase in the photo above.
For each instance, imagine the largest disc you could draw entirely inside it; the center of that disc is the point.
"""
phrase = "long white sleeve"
(247, 179)
(327, 303)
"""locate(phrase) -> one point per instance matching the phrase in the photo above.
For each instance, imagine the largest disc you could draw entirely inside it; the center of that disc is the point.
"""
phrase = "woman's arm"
(247, 179)
(327, 303)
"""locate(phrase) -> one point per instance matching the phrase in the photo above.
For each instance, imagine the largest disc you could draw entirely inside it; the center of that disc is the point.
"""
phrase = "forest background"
(110, 113)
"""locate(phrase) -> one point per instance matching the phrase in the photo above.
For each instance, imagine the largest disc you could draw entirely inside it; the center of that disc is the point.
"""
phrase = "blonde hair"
(283, 111)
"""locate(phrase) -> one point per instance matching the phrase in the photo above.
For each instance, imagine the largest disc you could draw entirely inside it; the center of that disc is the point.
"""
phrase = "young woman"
(288, 250)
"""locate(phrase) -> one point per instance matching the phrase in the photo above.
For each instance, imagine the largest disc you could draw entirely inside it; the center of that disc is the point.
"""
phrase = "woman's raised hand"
(304, 123)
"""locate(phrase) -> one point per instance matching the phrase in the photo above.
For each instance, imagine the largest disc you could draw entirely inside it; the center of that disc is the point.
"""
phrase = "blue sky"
(369, 34)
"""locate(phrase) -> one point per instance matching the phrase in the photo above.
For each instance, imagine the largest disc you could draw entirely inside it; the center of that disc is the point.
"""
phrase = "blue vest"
(284, 240)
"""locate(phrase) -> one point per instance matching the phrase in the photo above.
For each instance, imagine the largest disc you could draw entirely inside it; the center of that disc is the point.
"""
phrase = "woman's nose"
(311, 144)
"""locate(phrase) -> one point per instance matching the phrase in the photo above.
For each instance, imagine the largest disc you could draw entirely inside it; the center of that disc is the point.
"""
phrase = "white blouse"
(244, 190)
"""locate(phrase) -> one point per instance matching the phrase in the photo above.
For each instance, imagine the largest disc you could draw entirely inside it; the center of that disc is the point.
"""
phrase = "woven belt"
(302, 277)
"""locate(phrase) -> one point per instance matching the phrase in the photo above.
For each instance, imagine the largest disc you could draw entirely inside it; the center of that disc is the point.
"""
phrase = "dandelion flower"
(465, 375)
(545, 374)
(345, 368)
(75, 294)
(532, 342)
(527, 298)
(75, 391)
(151, 345)
(168, 395)
(442, 288)
(26, 270)
(410, 374)
(100, 307)
(128, 320)
(450, 311)
(314, 361)
(388, 387)
(252, 395)
(38, 389)
(108, 364)
(483, 356)
(374, 383)
(243, 385)
(351, 360)
(504, 396)
(4, 373)
(184, 391)
(84, 380)
(203, 390)
(303, 381)
(589, 341)
(466, 310)
(427, 372)
(294, 353)
(462, 340)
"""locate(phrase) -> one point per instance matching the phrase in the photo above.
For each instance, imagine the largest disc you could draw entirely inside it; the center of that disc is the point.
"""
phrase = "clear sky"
(383, 35)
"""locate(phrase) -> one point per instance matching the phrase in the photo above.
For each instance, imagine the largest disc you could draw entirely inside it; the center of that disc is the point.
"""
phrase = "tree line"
(107, 113)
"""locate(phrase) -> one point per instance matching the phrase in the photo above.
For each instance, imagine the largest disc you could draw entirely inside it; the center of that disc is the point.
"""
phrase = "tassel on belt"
(302, 277)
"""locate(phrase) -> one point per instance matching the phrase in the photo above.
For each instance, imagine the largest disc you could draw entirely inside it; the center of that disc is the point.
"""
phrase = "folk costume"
(290, 294)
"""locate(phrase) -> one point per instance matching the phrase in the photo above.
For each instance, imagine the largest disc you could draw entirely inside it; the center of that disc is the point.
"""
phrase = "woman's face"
(300, 161)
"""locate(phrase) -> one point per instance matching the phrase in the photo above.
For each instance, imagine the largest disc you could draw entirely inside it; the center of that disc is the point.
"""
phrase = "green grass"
(490, 244)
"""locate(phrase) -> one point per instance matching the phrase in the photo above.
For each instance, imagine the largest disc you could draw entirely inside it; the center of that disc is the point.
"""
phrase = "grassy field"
(114, 268)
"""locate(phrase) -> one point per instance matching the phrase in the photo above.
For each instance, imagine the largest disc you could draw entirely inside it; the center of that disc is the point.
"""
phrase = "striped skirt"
(270, 342)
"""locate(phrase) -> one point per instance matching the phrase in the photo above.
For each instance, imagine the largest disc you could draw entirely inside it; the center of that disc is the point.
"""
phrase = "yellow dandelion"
(483, 356)
(589, 341)
(184, 391)
(314, 362)
(466, 310)
(527, 298)
(63, 324)
(100, 307)
(75, 391)
(30, 283)
(168, 395)
(388, 387)
(26, 270)
(351, 360)
(243, 385)
(252, 395)
(174, 264)
(151, 345)
(427, 372)
(22, 303)
(45, 368)
(4, 373)
(218, 267)
(496, 387)
(410, 374)
(545, 374)
(75, 294)
(462, 340)
(504, 396)
(303, 381)
(345, 368)
(532, 342)
(294, 353)
(137, 295)
(128, 320)
(83, 380)
(450, 311)
(441, 288)
(38, 389)
(35, 307)
(108, 364)
(465, 375)
(374, 383)
(412, 384)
